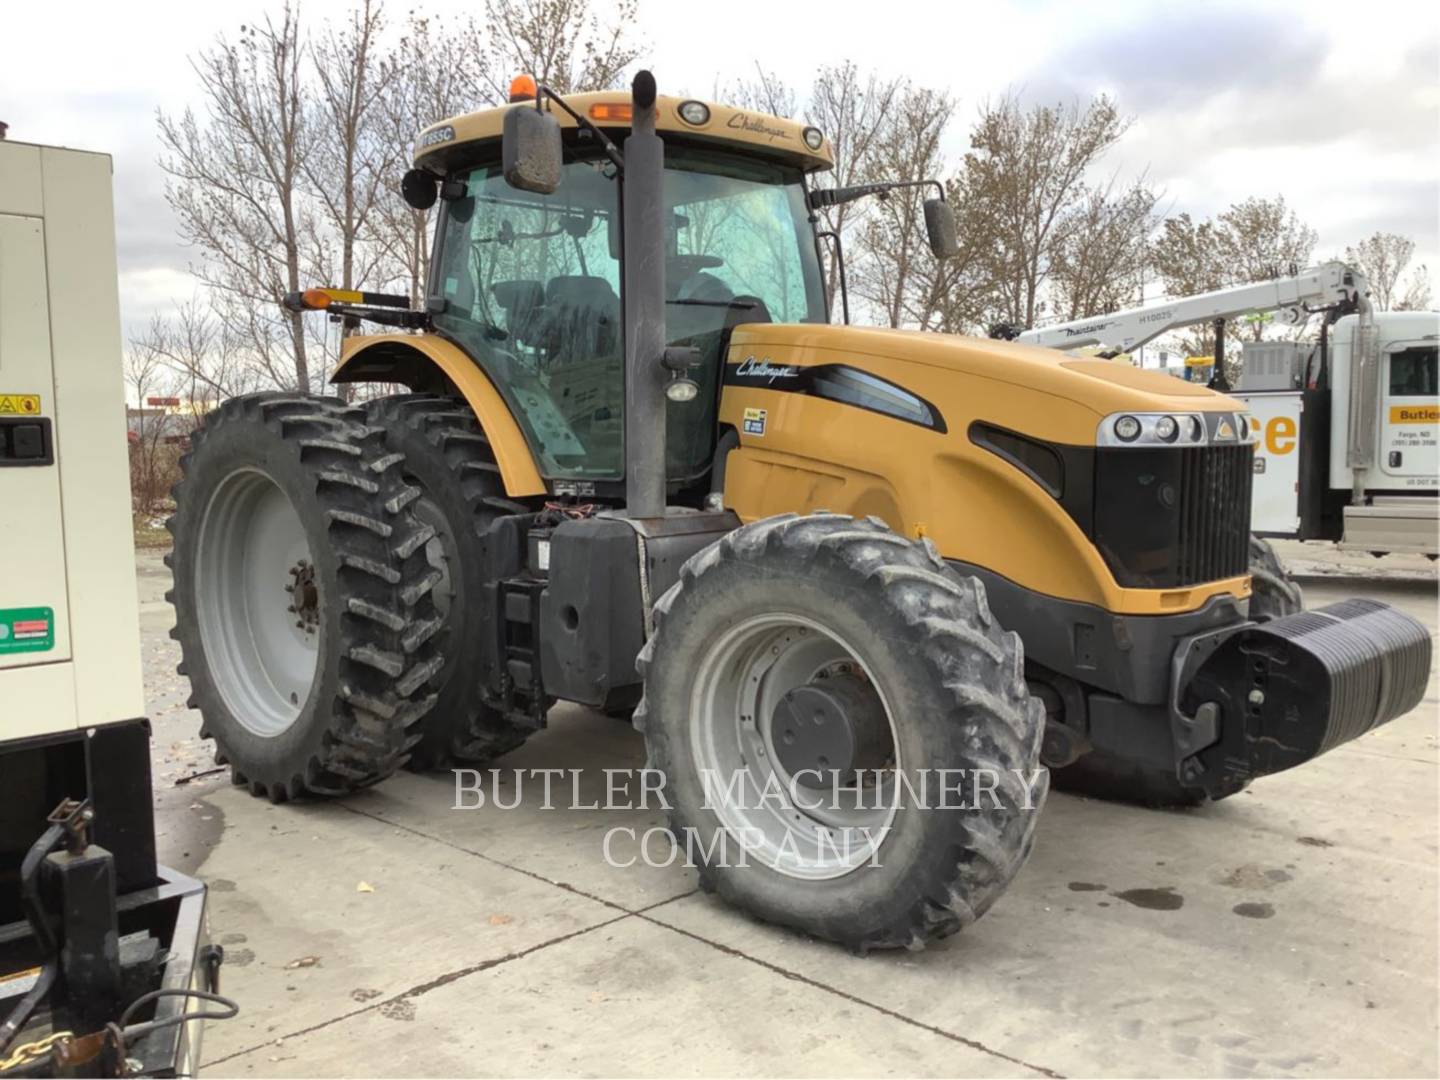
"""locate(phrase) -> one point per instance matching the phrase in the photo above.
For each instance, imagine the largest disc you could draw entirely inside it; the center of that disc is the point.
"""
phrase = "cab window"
(531, 288)
(531, 285)
(1412, 373)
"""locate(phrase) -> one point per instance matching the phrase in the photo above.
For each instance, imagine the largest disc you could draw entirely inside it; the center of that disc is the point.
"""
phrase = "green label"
(27, 629)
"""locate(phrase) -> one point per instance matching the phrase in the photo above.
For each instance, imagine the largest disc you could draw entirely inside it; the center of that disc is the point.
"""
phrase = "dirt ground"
(1289, 930)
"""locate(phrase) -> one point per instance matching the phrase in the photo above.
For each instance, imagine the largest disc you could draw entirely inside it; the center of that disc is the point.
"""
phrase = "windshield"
(531, 288)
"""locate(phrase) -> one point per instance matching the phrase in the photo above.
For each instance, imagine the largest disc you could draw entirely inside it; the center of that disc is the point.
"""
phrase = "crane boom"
(1320, 286)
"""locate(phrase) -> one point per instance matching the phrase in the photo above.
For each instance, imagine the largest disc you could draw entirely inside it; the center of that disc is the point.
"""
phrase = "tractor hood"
(1097, 385)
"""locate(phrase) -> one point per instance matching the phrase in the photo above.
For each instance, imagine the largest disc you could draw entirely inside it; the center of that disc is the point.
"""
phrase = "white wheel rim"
(257, 602)
(738, 680)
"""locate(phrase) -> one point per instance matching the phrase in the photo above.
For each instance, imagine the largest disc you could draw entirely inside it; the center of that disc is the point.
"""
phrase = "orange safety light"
(522, 88)
(316, 299)
(611, 110)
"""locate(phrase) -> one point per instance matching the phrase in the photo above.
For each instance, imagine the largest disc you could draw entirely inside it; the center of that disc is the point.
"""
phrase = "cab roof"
(441, 145)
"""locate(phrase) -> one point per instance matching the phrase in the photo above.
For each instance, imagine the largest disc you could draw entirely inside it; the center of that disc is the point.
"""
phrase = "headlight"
(1142, 429)
(694, 112)
(1127, 429)
(814, 138)
(681, 390)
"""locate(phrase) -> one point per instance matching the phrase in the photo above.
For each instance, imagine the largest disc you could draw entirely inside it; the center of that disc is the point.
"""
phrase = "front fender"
(424, 361)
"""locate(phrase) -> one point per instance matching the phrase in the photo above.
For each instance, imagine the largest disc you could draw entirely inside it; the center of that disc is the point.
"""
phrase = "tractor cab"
(530, 285)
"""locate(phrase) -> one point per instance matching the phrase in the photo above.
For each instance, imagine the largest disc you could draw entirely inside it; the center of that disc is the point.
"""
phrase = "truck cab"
(1343, 458)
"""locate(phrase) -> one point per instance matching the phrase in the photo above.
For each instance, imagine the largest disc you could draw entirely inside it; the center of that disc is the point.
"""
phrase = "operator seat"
(524, 304)
(582, 319)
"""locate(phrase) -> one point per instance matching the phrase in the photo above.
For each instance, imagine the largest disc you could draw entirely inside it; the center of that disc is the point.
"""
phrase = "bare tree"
(1027, 167)
(1102, 250)
(1254, 240)
(1189, 256)
(235, 185)
(563, 43)
(203, 355)
(852, 111)
(1261, 239)
(766, 92)
(1416, 296)
(892, 272)
(146, 377)
(351, 153)
(1383, 258)
(430, 75)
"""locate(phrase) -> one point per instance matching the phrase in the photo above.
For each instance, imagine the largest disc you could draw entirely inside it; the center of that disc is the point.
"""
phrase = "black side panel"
(118, 768)
(592, 622)
(1128, 655)
(110, 765)
(1321, 518)
(592, 613)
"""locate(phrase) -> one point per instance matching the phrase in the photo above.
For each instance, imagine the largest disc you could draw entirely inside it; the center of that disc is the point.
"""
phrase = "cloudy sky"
(1334, 105)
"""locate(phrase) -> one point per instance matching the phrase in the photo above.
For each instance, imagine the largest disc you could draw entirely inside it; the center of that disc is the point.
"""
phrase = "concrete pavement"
(1290, 929)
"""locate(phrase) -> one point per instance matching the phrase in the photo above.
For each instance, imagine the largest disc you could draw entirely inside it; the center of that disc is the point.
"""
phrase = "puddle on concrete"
(1085, 886)
(1162, 899)
(1254, 910)
(1251, 877)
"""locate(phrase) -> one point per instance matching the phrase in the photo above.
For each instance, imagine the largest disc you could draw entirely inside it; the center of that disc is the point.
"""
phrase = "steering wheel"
(686, 265)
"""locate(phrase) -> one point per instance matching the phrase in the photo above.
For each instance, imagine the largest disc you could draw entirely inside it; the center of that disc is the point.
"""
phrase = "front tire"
(302, 596)
(1273, 592)
(819, 609)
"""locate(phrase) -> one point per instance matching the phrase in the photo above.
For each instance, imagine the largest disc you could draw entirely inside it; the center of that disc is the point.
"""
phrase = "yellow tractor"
(639, 468)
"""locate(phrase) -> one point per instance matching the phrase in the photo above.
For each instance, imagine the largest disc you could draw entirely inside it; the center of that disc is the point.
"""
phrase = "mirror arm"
(823, 197)
(834, 238)
(543, 92)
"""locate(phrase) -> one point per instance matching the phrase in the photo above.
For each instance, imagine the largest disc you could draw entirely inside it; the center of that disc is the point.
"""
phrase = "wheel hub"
(304, 597)
(832, 725)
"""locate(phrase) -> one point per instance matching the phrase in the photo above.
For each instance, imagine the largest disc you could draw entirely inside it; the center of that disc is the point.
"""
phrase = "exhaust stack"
(643, 210)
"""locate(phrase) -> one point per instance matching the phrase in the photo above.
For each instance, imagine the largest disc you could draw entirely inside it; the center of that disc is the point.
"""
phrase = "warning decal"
(19, 404)
(27, 630)
(754, 422)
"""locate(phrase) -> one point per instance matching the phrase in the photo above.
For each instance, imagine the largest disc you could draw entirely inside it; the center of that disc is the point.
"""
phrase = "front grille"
(1214, 512)
(1171, 517)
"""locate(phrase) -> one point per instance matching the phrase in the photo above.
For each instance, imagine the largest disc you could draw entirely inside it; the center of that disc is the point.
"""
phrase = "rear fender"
(426, 362)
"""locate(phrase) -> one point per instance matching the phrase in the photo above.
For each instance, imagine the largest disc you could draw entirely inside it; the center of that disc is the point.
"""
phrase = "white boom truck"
(102, 950)
(1345, 431)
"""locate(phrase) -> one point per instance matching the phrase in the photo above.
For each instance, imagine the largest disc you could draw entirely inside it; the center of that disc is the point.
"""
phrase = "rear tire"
(302, 596)
(850, 595)
(448, 458)
(1103, 775)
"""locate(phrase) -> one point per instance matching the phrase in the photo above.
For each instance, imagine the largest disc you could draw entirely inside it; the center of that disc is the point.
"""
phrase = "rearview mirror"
(530, 154)
(940, 229)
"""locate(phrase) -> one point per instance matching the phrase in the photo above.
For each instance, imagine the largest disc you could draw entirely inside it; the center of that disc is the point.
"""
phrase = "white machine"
(1346, 431)
(100, 947)
(69, 619)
